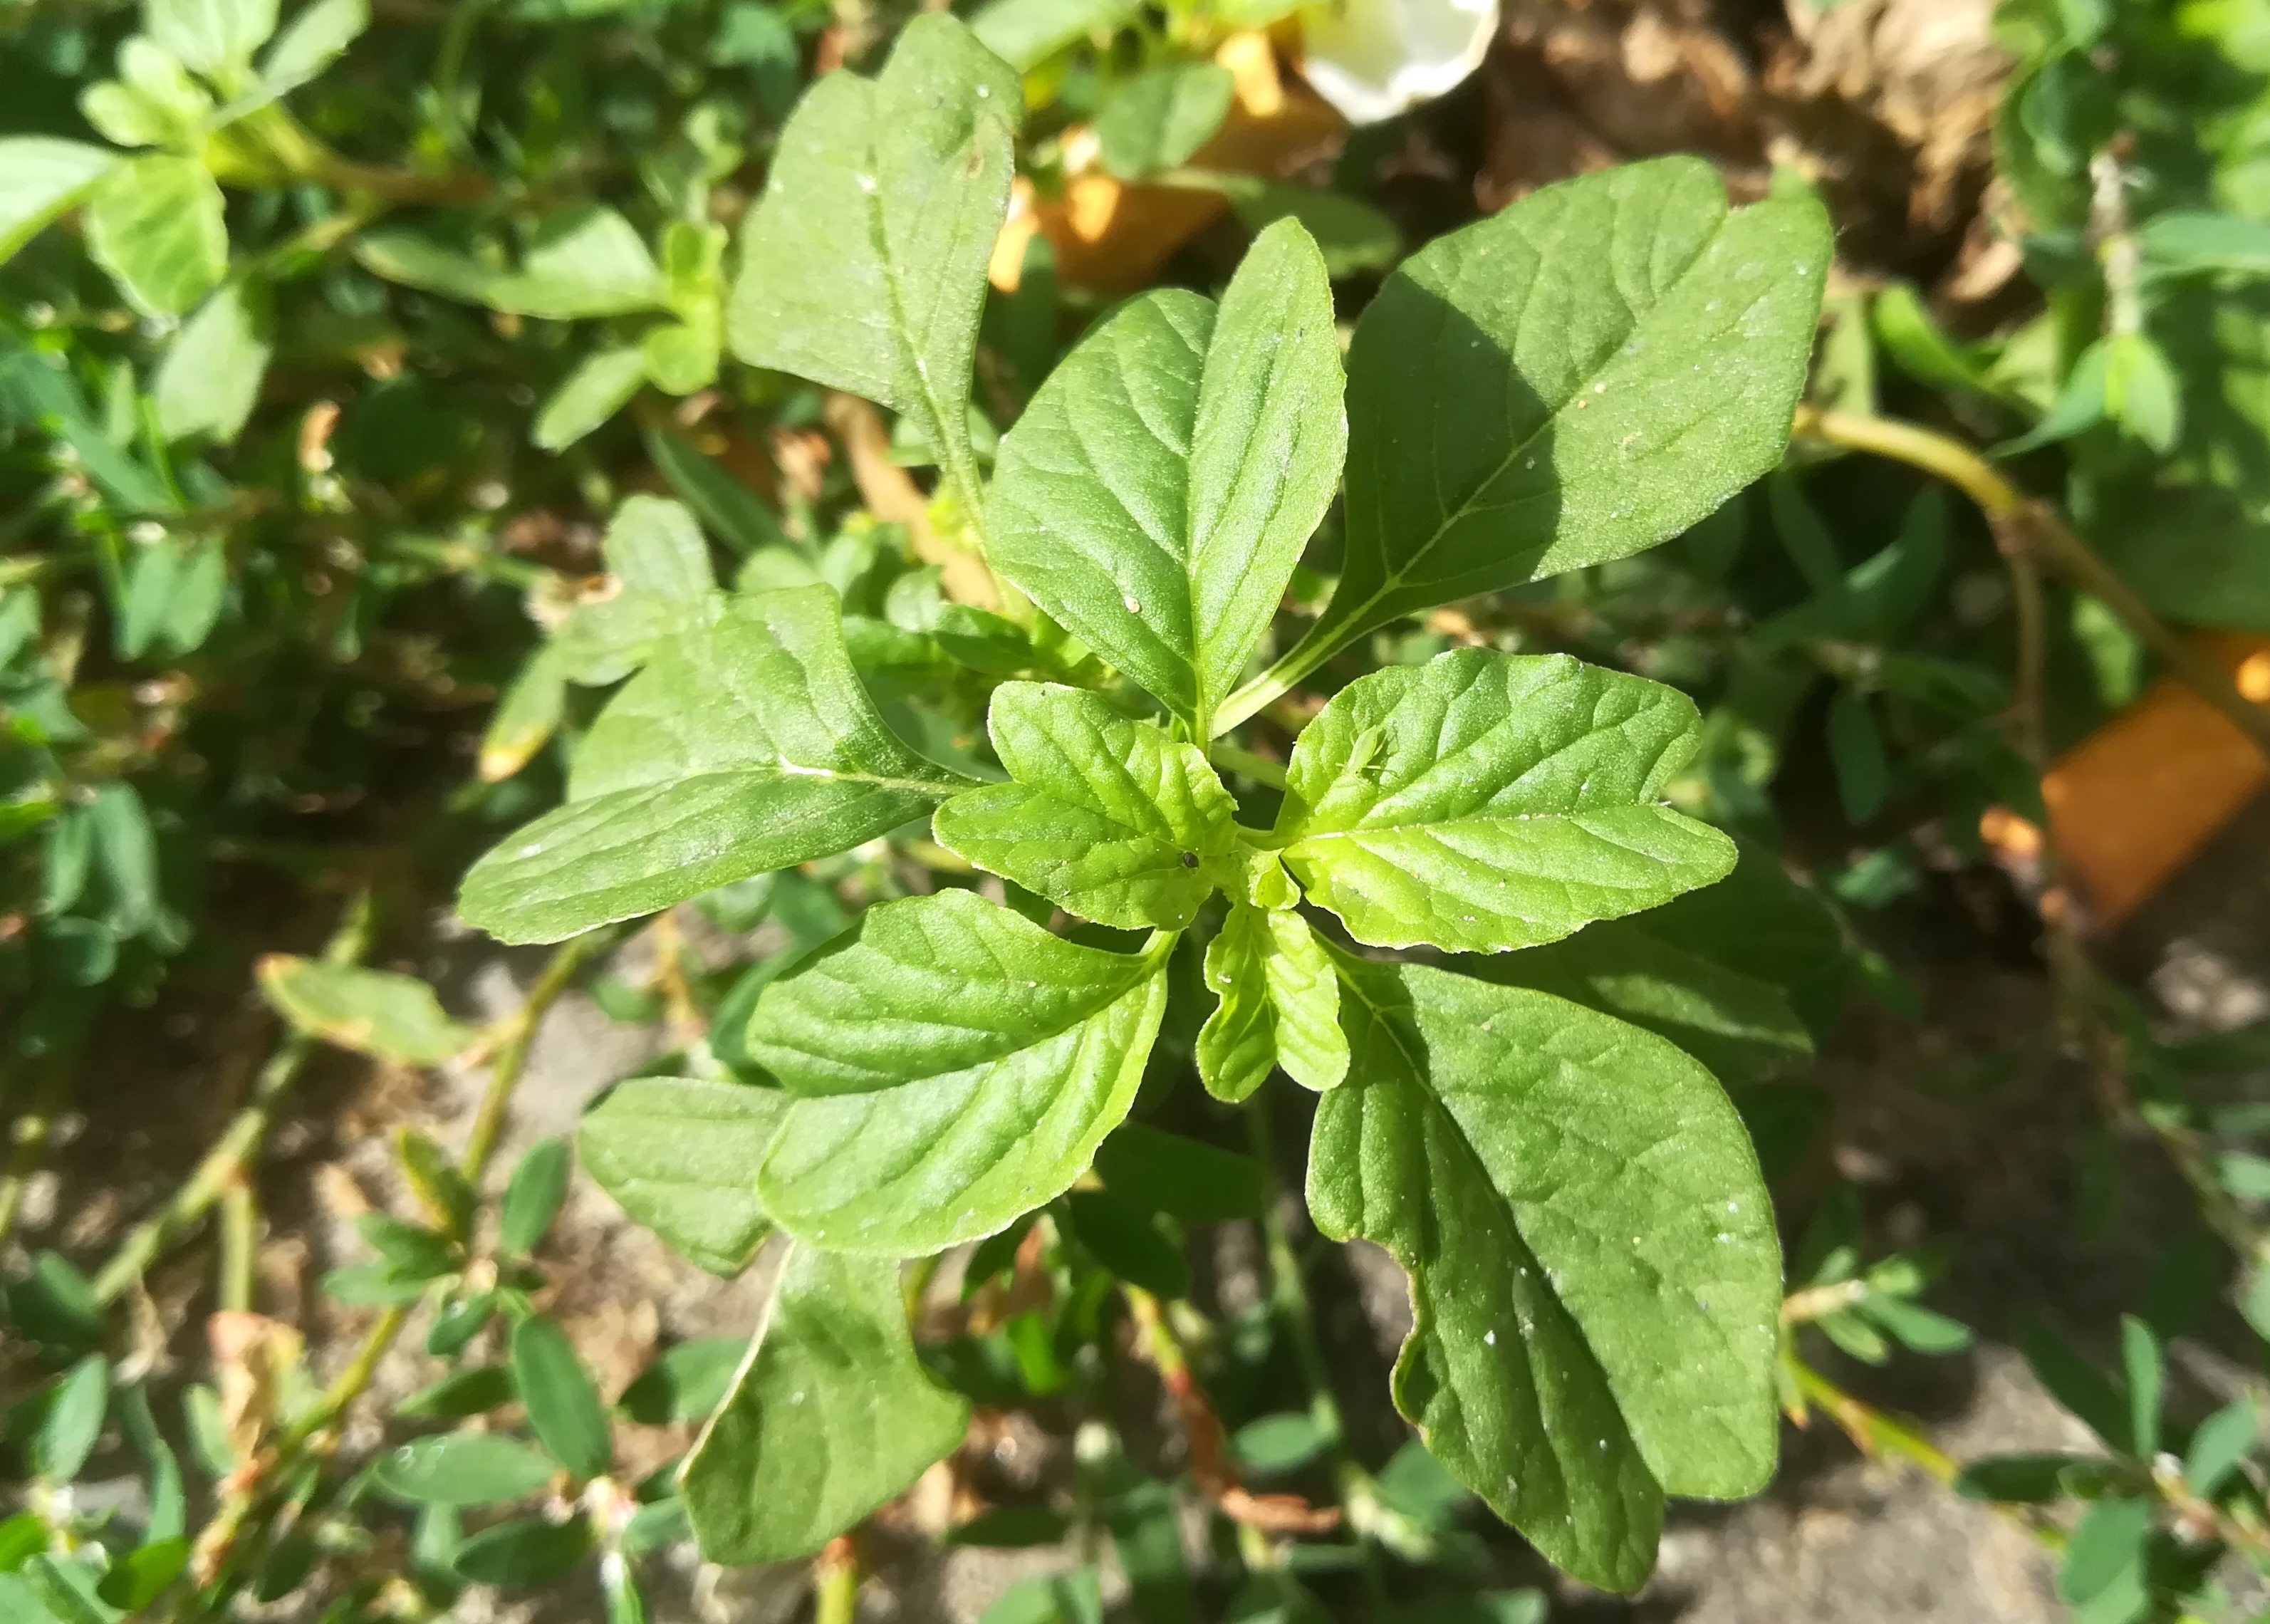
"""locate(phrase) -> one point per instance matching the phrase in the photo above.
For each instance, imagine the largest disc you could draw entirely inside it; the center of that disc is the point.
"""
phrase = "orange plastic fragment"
(2135, 801)
(1112, 236)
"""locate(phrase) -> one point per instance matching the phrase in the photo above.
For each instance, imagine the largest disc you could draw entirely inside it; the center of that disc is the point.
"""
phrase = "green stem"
(239, 1245)
(227, 1163)
(2035, 524)
(835, 1582)
(512, 1053)
(1259, 768)
(1324, 640)
(32, 1131)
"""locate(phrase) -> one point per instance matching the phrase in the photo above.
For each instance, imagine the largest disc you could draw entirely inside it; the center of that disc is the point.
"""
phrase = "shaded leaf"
(681, 1156)
(370, 1011)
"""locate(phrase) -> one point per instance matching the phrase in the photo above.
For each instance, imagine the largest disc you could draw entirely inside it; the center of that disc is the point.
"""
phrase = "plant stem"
(1259, 768)
(31, 1132)
(2039, 527)
(1871, 1431)
(835, 1582)
(240, 1244)
(227, 1163)
(1324, 641)
(254, 1500)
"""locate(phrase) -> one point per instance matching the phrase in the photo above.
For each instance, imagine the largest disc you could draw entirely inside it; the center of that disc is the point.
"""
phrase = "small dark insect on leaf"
(1189, 859)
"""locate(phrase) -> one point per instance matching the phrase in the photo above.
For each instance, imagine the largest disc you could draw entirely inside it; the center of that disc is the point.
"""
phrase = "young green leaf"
(1159, 118)
(73, 1421)
(956, 1066)
(1106, 817)
(215, 37)
(317, 35)
(532, 1198)
(527, 1552)
(370, 1011)
(2104, 1575)
(832, 1416)
(681, 1156)
(1594, 1271)
(863, 266)
(732, 512)
(209, 380)
(1156, 494)
(1578, 377)
(1024, 34)
(601, 385)
(1483, 802)
(1279, 1005)
(156, 226)
(2223, 1440)
(463, 1469)
(39, 178)
(474, 1390)
(2140, 1359)
(747, 746)
(563, 1406)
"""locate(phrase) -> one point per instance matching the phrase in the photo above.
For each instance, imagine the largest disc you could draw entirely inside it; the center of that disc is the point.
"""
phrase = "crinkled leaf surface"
(1156, 494)
(863, 266)
(680, 1155)
(747, 747)
(1489, 801)
(1108, 817)
(1594, 1272)
(1279, 1005)
(40, 177)
(957, 1067)
(831, 1416)
(1578, 377)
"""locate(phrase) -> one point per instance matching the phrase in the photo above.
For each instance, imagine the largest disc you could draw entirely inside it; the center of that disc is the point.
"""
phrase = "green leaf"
(1278, 1004)
(1352, 235)
(745, 748)
(681, 1156)
(1159, 118)
(73, 1423)
(212, 36)
(687, 1383)
(525, 717)
(532, 1198)
(463, 1469)
(142, 1575)
(1579, 377)
(314, 38)
(1106, 817)
(1156, 494)
(1742, 1029)
(601, 385)
(2223, 1440)
(1127, 1241)
(2081, 403)
(563, 1406)
(831, 1417)
(39, 178)
(209, 380)
(524, 1554)
(1024, 34)
(1277, 1443)
(2196, 239)
(732, 512)
(2107, 1550)
(1594, 1271)
(2024, 1480)
(1856, 750)
(864, 265)
(472, 1391)
(370, 1011)
(1485, 801)
(957, 1067)
(2142, 391)
(156, 226)
(653, 545)
(1190, 1179)
(2139, 1359)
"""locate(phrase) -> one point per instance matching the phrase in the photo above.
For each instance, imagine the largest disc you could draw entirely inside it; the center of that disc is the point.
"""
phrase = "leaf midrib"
(1395, 577)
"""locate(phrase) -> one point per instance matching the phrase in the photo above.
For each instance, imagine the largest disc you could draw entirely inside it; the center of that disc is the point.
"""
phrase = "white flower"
(1373, 58)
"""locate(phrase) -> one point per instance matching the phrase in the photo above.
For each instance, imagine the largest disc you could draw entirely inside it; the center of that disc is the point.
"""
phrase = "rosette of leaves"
(1591, 1252)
